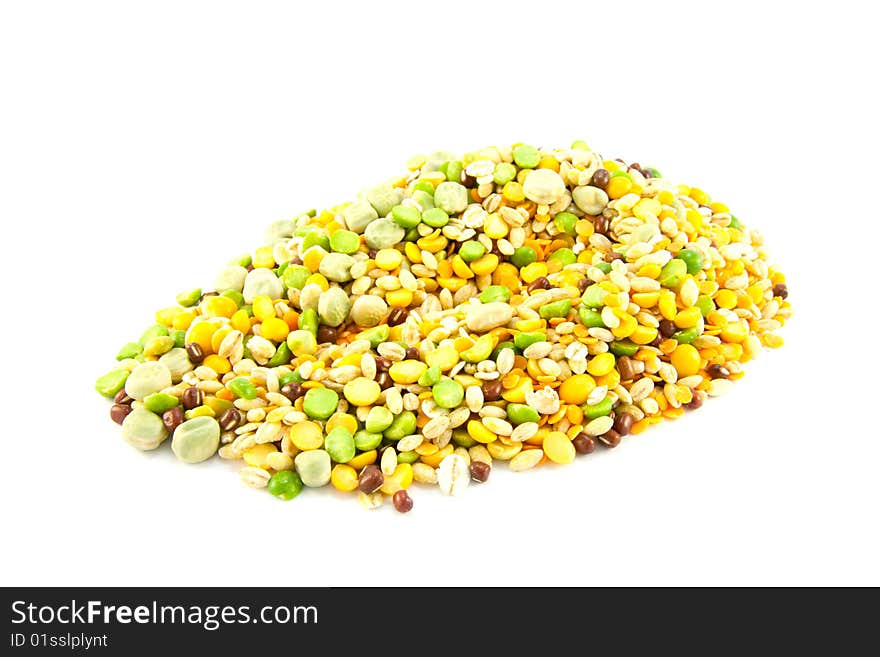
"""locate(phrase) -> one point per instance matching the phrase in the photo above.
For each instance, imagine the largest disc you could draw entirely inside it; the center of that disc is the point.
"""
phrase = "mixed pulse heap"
(516, 304)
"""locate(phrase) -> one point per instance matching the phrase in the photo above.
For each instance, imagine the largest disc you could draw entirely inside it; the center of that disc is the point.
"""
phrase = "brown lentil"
(118, 412)
(667, 328)
(326, 334)
(195, 353)
(717, 371)
(623, 423)
(229, 419)
(173, 418)
(292, 391)
(492, 390)
(403, 503)
(480, 471)
(192, 397)
(695, 402)
(397, 317)
(370, 479)
(625, 367)
(540, 283)
(584, 444)
(610, 438)
(600, 178)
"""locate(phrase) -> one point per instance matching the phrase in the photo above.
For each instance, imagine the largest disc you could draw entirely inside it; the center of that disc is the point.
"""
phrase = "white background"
(144, 144)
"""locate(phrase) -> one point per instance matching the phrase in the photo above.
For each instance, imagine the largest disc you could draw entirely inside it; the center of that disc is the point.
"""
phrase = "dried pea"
(524, 255)
(495, 293)
(448, 393)
(555, 309)
(285, 485)
(112, 382)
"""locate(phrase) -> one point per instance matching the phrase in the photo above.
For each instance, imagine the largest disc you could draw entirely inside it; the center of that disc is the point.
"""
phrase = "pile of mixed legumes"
(516, 304)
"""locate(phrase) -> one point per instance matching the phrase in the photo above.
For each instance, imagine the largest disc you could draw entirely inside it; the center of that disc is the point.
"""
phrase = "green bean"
(556, 309)
(519, 413)
(523, 340)
(159, 402)
(623, 348)
(451, 197)
(243, 388)
(590, 318)
(308, 320)
(495, 293)
(686, 336)
(594, 296)
(143, 430)
(282, 356)
(376, 335)
(112, 382)
(592, 411)
(129, 350)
